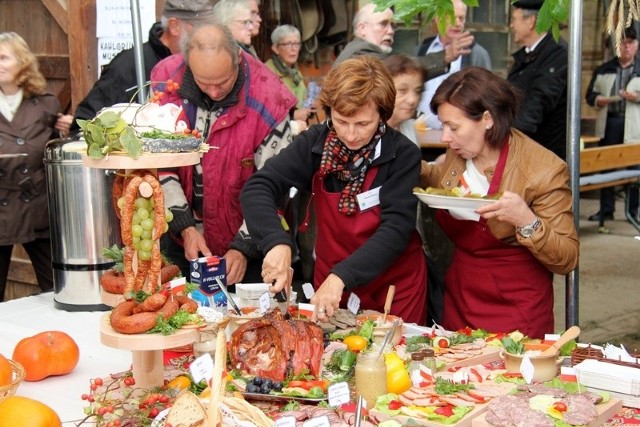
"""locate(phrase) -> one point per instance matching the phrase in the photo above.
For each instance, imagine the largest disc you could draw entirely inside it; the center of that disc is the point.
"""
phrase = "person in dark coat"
(118, 82)
(29, 117)
(373, 36)
(539, 71)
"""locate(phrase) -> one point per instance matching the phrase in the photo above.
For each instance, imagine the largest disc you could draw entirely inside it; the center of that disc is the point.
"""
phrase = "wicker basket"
(580, 354)
(18, 375)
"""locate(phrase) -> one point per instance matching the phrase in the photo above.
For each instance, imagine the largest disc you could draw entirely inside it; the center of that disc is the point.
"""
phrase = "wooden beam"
(58, 9)
(64, 97)
(83, 48)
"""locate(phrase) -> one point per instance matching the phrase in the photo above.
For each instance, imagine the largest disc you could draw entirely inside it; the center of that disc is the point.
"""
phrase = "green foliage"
(406, 10)
(116, 254)
(551, 15)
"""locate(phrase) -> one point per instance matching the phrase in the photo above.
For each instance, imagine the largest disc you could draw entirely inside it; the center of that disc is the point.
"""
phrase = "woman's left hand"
(327, 297)
(510, 208)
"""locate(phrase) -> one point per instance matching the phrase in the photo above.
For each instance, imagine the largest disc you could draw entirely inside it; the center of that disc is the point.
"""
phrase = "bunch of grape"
(263, 385)
(142, 225)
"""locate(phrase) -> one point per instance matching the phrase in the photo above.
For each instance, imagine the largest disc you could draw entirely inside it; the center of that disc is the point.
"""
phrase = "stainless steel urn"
(82, 221)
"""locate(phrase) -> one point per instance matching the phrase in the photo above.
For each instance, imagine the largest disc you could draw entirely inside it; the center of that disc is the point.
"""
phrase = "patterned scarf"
(287, 71)
(349, 166)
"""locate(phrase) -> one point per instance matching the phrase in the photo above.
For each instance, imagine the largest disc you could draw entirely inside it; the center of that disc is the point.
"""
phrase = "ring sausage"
(112, 282)
(186, 303)
(152, 303)
(123, 319)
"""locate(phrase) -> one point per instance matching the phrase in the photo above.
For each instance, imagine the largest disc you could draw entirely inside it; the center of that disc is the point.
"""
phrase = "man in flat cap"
(117, 82)
(614, 90)
(540, 72)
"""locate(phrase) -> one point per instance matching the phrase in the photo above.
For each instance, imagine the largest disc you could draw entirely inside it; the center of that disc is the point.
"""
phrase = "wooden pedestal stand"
(146, 349)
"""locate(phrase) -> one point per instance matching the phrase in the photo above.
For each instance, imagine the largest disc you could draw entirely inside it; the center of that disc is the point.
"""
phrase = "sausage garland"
(143, 220)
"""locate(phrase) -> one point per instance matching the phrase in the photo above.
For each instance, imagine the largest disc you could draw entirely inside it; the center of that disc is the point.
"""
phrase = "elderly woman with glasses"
(360, 173)
(285, 44)
(236, 15)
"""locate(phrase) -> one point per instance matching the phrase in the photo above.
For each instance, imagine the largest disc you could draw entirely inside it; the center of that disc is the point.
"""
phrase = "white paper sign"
(353, 303)
(264, 302)
(322, 421)
(551, 337)
(114, 18)
(286, 422)
(526, 369)
(338, 394)
(202, 368)
(308, 290)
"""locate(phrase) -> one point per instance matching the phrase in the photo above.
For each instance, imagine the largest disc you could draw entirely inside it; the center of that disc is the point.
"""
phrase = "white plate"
(451, 202)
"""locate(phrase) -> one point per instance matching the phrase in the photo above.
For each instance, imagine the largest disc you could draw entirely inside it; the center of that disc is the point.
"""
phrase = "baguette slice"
(187, 411)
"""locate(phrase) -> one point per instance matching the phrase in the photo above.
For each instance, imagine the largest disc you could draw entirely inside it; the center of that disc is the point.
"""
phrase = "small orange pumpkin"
(47, 353)
(19, 411)
(6, 374)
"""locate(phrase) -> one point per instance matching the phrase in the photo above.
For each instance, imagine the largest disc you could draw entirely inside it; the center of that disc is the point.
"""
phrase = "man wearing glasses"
(373, 36)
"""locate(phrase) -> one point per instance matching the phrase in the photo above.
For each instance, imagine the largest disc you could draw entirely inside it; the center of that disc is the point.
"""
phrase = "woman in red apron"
(361, 175)
(506, 252)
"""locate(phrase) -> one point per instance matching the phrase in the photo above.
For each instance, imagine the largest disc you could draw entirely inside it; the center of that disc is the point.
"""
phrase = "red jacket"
(263, 103)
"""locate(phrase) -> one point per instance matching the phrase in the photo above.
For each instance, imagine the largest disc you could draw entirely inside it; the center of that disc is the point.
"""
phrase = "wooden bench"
(602, 167)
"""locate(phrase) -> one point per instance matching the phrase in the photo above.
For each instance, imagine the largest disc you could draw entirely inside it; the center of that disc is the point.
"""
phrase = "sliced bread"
(187, 411)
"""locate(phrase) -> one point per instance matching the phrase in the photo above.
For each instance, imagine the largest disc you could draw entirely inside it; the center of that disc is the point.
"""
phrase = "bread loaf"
(187, 411)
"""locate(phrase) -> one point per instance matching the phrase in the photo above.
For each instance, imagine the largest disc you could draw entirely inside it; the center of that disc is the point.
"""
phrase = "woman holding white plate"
(501, 275)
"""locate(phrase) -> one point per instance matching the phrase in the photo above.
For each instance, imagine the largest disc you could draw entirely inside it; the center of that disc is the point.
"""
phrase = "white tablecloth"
(28, 316)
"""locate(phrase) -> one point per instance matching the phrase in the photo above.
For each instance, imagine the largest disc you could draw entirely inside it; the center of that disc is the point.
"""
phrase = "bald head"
(213, 57)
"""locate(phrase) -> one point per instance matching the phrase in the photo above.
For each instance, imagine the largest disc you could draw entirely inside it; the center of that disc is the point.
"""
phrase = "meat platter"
(605, 411)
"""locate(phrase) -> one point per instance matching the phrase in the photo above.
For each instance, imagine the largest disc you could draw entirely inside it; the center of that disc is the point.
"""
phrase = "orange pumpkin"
(5, 371)
(47, 353)
(19, 411)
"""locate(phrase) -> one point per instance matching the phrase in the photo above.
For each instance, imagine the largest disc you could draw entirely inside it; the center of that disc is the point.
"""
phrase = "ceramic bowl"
(380, 329)
(545, 368)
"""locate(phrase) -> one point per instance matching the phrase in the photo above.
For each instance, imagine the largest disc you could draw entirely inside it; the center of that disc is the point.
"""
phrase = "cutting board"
(605, 411)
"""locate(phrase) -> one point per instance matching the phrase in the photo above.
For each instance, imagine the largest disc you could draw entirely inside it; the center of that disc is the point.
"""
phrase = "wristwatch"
(527, 231)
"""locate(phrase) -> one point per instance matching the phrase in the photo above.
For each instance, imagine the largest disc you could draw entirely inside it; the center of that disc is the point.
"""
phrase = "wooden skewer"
(391, 292)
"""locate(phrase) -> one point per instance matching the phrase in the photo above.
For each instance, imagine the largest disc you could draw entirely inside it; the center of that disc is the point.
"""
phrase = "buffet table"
(28, 316)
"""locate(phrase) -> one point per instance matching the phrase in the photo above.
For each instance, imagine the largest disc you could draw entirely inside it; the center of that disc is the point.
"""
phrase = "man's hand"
(236, 266)
(194, 243)
(460, 45)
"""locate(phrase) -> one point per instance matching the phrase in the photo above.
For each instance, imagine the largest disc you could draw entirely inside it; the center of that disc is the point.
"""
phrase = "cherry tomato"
(560, 406)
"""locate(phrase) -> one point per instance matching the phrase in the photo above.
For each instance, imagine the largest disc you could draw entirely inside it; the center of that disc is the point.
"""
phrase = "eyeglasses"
(247, 23)
(289, 45)
(384, 24)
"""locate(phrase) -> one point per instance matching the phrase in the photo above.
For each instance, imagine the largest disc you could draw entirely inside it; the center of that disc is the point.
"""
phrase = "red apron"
(493, 285)
(339, 236)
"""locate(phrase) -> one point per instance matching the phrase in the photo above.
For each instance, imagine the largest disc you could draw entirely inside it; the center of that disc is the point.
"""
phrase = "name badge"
(369, 199)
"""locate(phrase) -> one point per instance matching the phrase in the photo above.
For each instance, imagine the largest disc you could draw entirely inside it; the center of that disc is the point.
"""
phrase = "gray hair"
(283, 31)
(213, 37)
(225, 11)
(529, 12)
